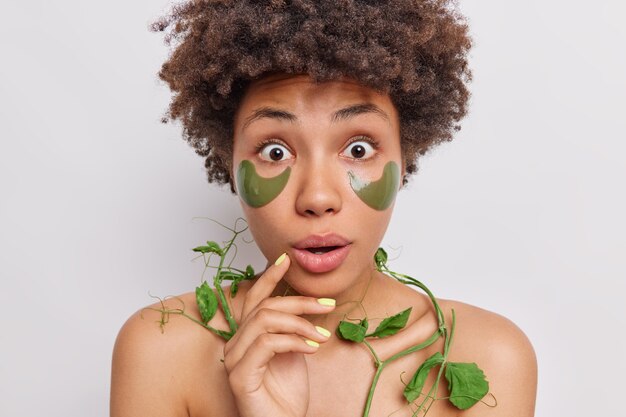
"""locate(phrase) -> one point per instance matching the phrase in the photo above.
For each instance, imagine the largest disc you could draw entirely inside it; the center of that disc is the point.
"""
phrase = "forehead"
(300, 94)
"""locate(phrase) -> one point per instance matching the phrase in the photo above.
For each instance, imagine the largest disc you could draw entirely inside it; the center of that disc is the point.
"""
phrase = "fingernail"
(280, 259)
(311, 343)
(322, 331)
(326, 301)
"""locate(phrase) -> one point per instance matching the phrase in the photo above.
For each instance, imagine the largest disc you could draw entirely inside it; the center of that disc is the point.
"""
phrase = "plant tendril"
(465, 391)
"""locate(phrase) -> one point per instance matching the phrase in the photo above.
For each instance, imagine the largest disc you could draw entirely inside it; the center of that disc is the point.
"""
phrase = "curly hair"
(413, 50)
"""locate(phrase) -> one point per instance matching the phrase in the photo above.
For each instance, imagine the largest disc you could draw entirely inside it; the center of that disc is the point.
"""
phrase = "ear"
(402, 173)
(231, 176)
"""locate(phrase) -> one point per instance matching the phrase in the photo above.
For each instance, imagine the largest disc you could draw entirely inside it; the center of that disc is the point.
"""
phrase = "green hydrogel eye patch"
(255, 190)
(378, 194)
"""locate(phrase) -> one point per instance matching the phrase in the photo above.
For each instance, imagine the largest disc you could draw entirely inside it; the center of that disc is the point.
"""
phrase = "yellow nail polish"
(322, 331)
(326, 301)
(280, 259)
(311, 343)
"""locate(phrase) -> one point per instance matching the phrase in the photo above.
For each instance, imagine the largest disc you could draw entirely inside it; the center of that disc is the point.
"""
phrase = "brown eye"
(274, 152)
(359, 150)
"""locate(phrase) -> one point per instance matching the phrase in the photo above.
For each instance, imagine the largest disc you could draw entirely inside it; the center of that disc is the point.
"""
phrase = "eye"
(359, 149)
(274, 152)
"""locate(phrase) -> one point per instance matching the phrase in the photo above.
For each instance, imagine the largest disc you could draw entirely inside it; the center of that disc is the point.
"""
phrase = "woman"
(314, 113)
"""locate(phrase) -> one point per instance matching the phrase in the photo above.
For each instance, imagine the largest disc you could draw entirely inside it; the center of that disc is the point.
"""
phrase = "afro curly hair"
(413, 50)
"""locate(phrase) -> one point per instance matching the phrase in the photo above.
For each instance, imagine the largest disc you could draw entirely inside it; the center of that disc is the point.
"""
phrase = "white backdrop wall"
(522, 214)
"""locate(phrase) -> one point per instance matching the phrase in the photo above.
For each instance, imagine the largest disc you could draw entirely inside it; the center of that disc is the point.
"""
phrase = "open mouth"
(322, 250)
(321, 253)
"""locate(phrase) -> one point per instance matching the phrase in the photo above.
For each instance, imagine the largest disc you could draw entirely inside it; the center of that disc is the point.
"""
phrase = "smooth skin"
(268, 367)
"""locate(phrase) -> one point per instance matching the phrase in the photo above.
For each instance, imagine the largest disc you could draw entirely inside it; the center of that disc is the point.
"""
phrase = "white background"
(521, 214)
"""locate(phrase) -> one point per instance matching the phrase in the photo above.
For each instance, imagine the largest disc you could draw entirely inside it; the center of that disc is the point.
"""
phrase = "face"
(317, 167)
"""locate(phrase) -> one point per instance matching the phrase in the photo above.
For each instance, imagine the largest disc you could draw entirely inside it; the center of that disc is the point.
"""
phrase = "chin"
(331, 284)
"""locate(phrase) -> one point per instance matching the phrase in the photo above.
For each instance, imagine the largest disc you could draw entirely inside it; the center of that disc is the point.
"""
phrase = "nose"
(319, 191)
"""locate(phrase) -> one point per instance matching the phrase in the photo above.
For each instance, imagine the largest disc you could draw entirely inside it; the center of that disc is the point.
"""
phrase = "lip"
(325, 262)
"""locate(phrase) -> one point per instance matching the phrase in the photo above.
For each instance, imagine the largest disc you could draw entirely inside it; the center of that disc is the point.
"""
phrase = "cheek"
(257, 191)
(269, 228)
(369, 229)
(381, 193)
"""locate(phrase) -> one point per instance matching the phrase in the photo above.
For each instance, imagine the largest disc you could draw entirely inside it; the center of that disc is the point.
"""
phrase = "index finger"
(265, 285)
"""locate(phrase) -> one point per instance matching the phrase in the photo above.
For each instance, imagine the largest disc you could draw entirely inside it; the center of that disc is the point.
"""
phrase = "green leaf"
(234, 287)
(249, 272)
(380, 258)
(211, 247)
(214, 247)
(354, 332)
(392, 325)
(414, 388)
(467, 384)
(207, 302)
(203, 249)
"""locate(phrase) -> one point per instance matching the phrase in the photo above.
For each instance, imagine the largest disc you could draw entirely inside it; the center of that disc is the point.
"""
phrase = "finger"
(270, 321)
(295, 305)
(247, 375)
(265, 285)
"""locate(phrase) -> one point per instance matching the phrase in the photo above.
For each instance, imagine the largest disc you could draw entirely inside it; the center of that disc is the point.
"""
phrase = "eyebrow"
(341, 114)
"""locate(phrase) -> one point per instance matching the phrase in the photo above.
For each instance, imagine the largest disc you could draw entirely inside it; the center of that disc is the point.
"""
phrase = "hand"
(265, 362)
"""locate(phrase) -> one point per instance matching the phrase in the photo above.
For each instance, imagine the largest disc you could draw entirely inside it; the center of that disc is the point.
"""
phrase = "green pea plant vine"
(467, 384)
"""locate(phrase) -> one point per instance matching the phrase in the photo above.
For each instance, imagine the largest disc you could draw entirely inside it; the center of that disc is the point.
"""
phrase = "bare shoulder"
(475, 326)
(502, 350)
(158, 359)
